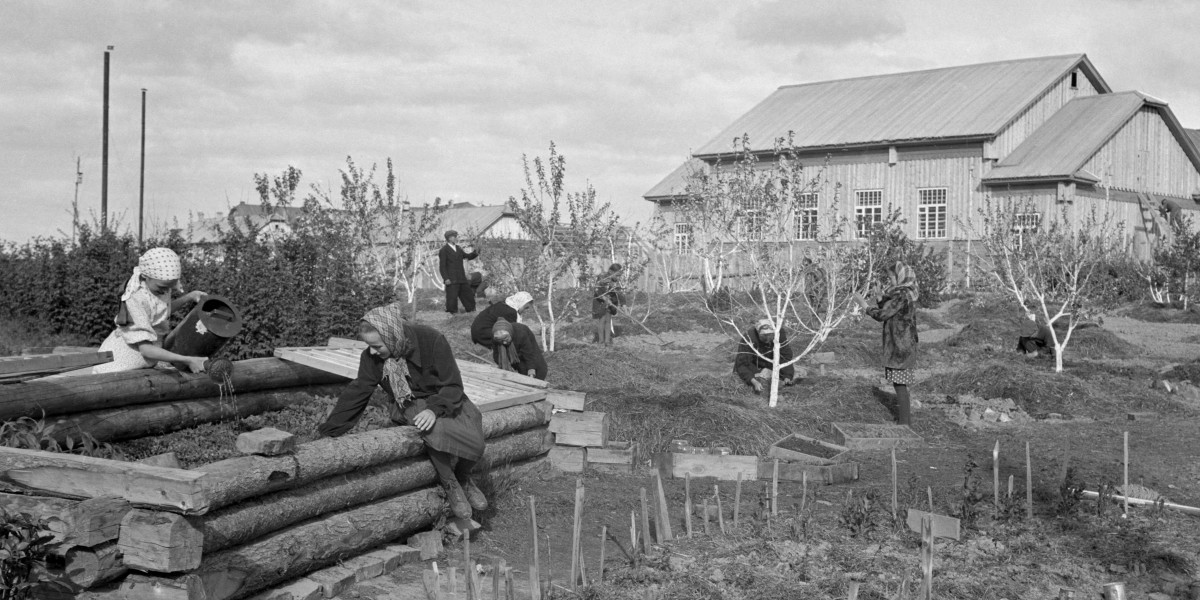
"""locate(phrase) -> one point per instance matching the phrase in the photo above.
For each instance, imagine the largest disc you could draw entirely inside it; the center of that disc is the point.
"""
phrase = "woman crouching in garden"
(898, 312)
(416, 368)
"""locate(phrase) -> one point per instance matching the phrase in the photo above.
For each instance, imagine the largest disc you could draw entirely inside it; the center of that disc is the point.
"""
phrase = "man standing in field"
(450, 266)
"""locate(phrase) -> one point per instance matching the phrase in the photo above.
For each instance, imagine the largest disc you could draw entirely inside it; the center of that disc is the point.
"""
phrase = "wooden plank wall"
(1033, 117)
(1144, 155)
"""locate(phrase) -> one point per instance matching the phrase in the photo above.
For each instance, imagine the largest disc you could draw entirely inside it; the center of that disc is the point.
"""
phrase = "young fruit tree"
(1178, 262)
(571, 227)
(797, 270)
(1054, 270)
(392, 238)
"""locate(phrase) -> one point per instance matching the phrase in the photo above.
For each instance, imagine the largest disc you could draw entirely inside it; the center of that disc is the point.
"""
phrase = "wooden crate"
(580, 428)
(725, 467)
(616, 457)
(875, 436)
(568, 459)
(803, 449)
(794, 471)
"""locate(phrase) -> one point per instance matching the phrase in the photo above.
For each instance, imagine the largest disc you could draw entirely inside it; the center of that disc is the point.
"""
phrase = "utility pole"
(104, 153)
(75, 203)
(142, 173)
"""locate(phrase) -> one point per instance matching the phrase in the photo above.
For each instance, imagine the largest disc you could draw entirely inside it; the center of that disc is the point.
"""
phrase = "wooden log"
(568, 459)
(74, 522)
(292, 552)
(232, 480)
(160, 541)
(64, 395)
(267, 441)
(1187, 510)
(88, 567)
(166, 459)
(580, 428)
(143, 420)
(86, 477)
(566, 399)
(45, 363)
(243, 522)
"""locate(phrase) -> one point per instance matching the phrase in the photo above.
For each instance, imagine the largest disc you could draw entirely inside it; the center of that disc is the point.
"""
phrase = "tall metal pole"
(142, 173)
(104, 153)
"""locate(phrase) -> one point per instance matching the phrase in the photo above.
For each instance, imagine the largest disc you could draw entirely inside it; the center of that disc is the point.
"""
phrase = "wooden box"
(580, 428)
(616, 457)
(725, 467)
(568, 459)
(797, 472)
(566, 399)
(875, 436)
(803, 449)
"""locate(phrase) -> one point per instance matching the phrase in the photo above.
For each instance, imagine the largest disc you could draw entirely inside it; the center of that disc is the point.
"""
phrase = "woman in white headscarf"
(142, 324)
(510, 310)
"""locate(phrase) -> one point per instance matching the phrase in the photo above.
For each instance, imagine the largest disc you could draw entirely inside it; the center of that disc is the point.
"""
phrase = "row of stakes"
(502, 575)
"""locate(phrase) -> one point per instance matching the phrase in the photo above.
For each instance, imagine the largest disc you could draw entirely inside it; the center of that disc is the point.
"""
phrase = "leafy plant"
(24, 546)
(971, 495)
(1070, 494)
(861, 515)
(32, 434)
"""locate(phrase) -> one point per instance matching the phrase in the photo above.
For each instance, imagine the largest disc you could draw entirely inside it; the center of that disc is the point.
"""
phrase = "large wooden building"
(934, 144)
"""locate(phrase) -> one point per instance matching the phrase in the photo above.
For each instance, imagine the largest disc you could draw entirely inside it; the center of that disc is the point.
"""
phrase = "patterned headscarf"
(389, 322)
(502, 325)
(902, 279)
(156, 263)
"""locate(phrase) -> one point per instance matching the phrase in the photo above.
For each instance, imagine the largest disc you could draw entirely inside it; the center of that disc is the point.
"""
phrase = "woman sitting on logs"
(416, 368)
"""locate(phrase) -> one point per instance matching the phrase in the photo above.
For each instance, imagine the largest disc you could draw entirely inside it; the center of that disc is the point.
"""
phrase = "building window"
(683, 237)
(806, 217)
(1023, 222)
(868, 210)
(1074, 80)
(931, 213)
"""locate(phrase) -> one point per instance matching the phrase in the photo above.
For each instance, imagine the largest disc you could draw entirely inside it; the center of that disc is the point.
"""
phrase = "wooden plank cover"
(487, 391)
(41, 363)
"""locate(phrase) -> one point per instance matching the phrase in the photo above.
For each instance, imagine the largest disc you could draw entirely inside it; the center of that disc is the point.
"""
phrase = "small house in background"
(933, 144)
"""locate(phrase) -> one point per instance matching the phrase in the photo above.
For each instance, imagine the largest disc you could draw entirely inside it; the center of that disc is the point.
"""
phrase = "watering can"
(209, 325)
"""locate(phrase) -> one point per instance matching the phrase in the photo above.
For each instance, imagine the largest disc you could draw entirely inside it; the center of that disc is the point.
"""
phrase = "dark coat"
(747, 364)
(450, 263)
(529, 352)
(481, 327)
(433, 377)
(899, 317)
(606, 297)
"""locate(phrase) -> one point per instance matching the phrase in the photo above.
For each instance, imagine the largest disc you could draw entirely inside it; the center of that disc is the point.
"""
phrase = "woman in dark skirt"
(416, 368)
(898, 312)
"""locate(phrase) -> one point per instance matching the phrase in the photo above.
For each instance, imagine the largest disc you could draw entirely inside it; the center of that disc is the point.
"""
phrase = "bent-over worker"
(752, 363)
(510, 310)
(515, 348)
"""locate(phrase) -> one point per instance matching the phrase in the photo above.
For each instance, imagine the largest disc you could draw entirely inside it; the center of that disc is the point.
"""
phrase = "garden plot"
(974, 412)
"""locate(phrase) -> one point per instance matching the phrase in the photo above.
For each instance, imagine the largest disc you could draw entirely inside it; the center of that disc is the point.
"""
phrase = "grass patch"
(1151, 312)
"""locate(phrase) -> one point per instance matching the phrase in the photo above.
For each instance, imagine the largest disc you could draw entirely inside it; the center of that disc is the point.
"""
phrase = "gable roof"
(674, 185)
(467, 219)
(1060, 148)
(953, 103)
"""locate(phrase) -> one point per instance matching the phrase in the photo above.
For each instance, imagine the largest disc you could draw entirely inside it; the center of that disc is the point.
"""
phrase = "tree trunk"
(232, 480)
(127, 422)
(774, 397)
(79, 393)
(86, 567)
(256, 517)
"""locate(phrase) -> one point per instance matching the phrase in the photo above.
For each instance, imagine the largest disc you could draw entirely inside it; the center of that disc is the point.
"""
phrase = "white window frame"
(868, 210)
(1026, 221)
(806, 216)
(931, 213)
(684, 237)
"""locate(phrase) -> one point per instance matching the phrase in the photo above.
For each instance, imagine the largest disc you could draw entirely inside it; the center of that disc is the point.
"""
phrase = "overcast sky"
(456, 92)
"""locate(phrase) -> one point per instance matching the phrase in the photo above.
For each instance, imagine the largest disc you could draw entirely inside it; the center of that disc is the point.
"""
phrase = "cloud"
(833, 24)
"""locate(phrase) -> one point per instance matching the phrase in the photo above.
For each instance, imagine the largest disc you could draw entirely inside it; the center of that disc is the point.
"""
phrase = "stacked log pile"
(232, 528)
(581, 437)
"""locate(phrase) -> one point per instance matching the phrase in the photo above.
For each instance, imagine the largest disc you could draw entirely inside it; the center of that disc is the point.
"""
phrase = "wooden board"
(488, 389)
(463, 365)
(566, 399)
(580, 428)
(943, 526)
(875, 436)
(780, 451)
(724, 467)
(45, 363)
(793, 471)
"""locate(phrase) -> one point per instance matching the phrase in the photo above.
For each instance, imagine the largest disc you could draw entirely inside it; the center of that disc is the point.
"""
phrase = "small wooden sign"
(943, 526)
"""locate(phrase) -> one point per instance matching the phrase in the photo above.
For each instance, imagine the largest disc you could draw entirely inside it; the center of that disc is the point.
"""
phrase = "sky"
(456, 93)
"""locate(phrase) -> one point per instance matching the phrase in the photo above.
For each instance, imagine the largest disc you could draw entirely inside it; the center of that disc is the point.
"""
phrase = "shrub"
(24, 546)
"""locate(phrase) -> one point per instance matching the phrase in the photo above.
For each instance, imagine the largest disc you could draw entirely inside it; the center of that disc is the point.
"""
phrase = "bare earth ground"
(997, 559)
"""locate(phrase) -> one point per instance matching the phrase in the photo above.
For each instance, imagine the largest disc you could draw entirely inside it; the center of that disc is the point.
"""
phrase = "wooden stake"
(663, 515)
(720, 513)
(533, 529)
(452, 576)
(803, 490)
(1125, 462)
(929, 493)
(603, 545)
(633, 536)
(705, 507)
(853, 591)
(1010, 485)
(548, 589)
(497, 569)
(774, 493)
(687, 501)
(996, 475)
(510, 588)
(737, 499)
(927, 557)
(1028, 484)
(467, 564)
(895, 493)
(583, 578)
(645, 524)
(575, 531)
(433, 586)
(535, 584)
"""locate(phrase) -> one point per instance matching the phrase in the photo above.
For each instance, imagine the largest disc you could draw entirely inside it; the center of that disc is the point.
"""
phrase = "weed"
(24, 546)
(1070, 494)
(31, 434)
(860, 516)
(971, 496)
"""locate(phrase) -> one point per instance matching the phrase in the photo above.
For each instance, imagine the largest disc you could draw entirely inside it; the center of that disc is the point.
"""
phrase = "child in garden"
(142, 324)
(605, 300)
(416, 369)
(897, 310)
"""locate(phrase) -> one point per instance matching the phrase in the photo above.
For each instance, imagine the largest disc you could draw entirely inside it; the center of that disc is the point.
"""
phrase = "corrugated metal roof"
(1072, 136)
(953, 102)
(675, 184)
(467, 220)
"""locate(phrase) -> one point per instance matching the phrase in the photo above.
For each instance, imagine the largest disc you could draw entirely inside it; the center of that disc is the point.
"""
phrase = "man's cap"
(451, 233)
